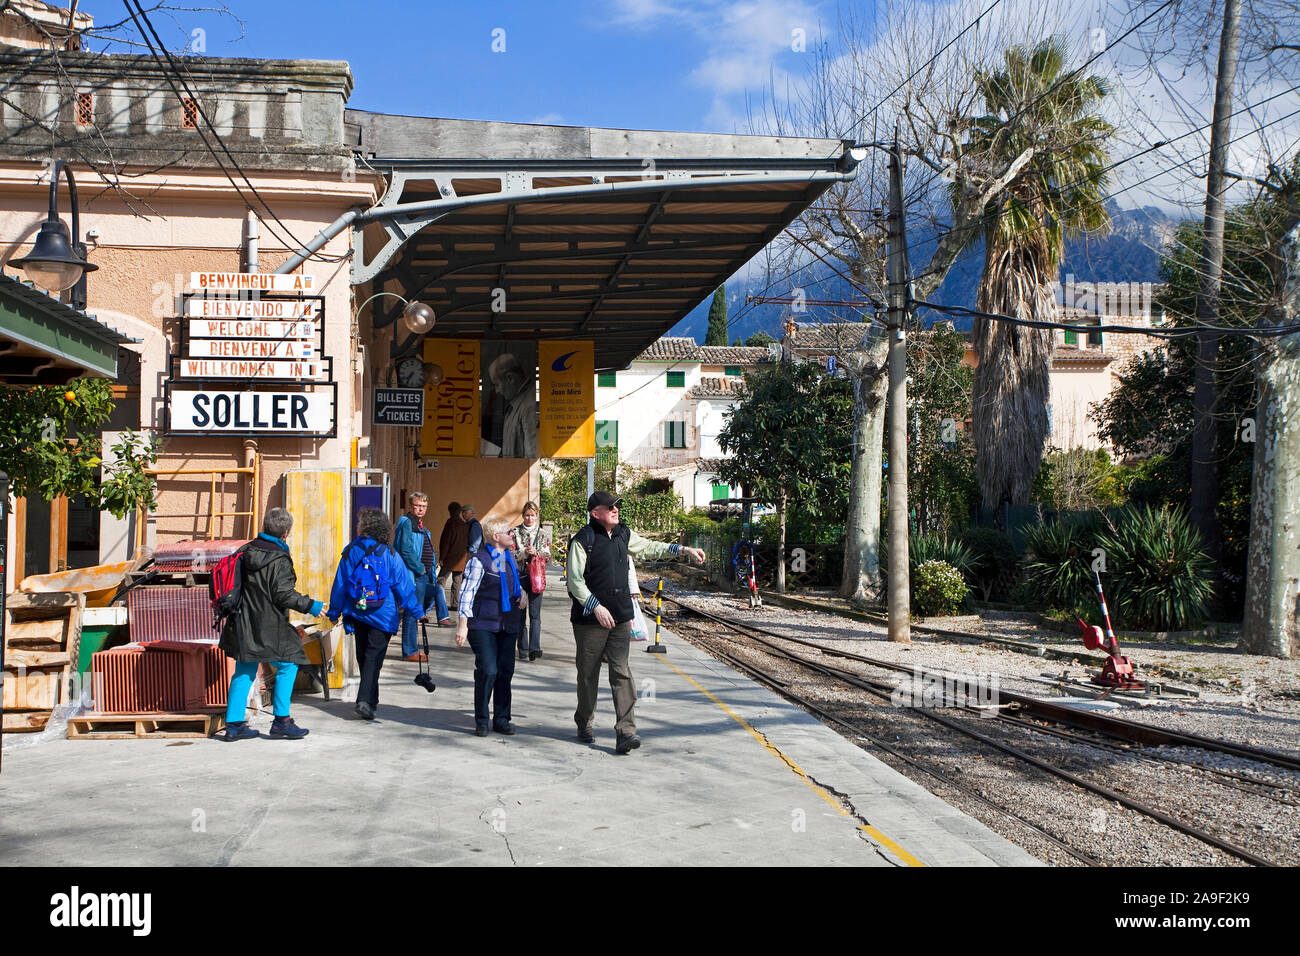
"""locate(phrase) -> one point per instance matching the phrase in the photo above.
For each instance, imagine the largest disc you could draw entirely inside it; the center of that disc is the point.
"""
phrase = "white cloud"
(548, 119)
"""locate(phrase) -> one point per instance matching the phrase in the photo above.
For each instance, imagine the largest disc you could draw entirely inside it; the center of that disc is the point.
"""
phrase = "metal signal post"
(656, 647)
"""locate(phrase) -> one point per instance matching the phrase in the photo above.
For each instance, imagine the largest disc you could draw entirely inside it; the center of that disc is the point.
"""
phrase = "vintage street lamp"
(57, 261)
(418, 319)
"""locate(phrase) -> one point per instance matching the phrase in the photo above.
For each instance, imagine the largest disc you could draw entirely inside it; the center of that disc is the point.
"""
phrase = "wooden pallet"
(144, 726)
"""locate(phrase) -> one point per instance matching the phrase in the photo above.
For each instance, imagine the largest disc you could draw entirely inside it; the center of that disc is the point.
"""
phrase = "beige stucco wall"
(191, 221)
(1073, 390)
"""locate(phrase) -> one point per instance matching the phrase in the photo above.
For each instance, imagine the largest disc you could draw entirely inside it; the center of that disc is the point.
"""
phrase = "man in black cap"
(597, 577)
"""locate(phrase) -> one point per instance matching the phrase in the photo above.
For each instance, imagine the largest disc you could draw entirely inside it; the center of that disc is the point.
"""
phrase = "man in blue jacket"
(371, 586)
(414, 544)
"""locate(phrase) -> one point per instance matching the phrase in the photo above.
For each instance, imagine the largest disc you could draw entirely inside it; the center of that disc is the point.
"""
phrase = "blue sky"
(648, 64)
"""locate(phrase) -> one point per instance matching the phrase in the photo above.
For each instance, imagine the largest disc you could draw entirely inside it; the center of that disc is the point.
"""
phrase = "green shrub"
(1058, 561)
(1157, 573)
(925, 547)
(937, 589)
(993, 564)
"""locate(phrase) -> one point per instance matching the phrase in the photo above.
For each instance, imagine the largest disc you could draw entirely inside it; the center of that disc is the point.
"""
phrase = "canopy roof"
(44, 342)
(541, 232)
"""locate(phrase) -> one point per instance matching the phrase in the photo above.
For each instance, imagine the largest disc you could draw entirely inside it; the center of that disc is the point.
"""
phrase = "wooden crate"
(25, 722)
(42, 639)
(144, 726)
(32, 688)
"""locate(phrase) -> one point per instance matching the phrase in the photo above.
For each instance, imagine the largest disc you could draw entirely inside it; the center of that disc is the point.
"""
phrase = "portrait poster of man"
(509, 397)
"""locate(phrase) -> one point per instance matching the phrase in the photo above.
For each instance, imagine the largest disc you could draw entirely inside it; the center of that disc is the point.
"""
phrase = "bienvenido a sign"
(223, 329)
(268, 413)
(227, 283)
(290, 349)
(316, 371)
(251, 308)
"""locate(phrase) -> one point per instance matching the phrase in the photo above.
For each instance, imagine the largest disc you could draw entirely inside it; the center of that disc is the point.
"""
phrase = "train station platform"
(728, 774)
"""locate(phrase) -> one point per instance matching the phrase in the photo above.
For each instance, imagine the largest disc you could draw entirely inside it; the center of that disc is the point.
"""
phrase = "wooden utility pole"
(1204, 466)
(900, 598)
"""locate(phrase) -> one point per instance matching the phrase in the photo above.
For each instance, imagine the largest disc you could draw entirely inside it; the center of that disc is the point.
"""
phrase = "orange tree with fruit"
(50, 445)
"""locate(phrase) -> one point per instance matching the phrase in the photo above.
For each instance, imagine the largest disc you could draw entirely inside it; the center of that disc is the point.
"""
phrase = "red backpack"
(226, 588)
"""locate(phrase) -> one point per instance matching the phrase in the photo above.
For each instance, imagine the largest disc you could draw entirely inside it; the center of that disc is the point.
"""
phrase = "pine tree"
(717, 334)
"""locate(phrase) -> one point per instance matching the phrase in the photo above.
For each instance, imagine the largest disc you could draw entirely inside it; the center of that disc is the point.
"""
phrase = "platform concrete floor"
(729, 773)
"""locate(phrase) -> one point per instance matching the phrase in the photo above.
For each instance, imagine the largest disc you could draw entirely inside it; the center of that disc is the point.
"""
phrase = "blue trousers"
(494, 666)
(242, 680)
(427, 591)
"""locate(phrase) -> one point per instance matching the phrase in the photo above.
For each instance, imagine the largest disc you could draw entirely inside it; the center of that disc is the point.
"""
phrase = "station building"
(541, 251)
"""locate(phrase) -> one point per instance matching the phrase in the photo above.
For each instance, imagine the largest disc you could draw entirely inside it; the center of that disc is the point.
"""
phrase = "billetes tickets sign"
(398, 406)
(567, 376)
(251, 413)
(451, 408)
(229, 283)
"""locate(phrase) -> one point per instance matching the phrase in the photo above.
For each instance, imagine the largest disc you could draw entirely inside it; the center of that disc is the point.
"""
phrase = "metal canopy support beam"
(401, 220)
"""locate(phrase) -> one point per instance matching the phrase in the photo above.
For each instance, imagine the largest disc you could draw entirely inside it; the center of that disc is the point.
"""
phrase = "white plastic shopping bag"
(639, 630)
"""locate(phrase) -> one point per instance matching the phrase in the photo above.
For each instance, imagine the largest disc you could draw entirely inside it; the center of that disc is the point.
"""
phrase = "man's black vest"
(606, 572)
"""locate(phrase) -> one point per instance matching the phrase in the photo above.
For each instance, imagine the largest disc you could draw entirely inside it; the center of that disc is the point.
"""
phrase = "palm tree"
(1032, 103)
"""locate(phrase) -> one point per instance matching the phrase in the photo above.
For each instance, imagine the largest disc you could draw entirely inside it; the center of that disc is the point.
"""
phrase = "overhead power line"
(292, 241)
(1171, 333)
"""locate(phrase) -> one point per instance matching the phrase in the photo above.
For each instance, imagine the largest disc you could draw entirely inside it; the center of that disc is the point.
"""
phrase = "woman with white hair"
(490, 599)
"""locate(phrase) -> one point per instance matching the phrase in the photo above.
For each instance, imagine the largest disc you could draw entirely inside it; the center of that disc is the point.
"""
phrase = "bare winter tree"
(1271, 624)
(917, 74)
(68, 40)
(1245, 52)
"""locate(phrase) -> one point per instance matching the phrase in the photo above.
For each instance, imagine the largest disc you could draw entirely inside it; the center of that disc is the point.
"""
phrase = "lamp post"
(57, 261)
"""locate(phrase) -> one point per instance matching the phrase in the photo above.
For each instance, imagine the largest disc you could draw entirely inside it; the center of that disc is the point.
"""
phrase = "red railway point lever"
(1118, 671)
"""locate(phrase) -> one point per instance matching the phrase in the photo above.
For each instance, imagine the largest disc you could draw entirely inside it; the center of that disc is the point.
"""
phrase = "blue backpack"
(368, 586)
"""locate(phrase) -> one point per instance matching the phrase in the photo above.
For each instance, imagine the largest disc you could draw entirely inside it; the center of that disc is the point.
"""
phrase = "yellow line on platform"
(867, 828)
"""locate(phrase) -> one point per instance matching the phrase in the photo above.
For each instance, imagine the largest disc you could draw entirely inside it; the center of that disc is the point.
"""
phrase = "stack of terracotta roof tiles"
(202, 556)
(172, 664)
(172, 677)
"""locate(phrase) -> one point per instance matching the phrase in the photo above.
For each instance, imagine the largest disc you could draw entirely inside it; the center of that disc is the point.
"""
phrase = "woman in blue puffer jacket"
(371, 586)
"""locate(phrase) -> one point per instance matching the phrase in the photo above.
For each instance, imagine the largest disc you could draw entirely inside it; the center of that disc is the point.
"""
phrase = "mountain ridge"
(1130, 252)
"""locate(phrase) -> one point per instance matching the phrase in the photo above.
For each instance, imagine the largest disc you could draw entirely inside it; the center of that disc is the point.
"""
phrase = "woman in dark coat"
(259, 631)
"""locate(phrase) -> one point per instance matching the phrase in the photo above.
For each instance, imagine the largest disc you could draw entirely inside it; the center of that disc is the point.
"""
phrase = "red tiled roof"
(673, 349)
(712, 386)
(828, 336)
(732, 354)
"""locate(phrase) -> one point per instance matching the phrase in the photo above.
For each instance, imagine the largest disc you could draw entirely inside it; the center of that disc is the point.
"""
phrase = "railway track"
(1133, 736)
